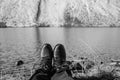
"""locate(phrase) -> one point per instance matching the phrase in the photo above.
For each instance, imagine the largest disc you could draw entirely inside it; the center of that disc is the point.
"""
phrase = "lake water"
(94, 43)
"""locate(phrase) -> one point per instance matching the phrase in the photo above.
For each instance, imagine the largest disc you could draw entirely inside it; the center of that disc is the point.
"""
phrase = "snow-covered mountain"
(100, 13)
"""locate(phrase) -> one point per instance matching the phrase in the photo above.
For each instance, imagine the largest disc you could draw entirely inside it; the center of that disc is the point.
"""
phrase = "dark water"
(94, 43)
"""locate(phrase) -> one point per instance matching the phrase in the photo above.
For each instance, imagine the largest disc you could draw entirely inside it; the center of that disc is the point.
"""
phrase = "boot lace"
(45, 64)
(60, 65)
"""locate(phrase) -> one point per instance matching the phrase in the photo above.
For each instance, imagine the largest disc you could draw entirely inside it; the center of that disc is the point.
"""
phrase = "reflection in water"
(37, 34)
(95, 43)
(53, 35)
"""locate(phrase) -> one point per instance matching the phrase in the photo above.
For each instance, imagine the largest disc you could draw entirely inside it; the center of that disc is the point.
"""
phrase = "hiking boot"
(46, 58)
(59, 58)
(44, 70)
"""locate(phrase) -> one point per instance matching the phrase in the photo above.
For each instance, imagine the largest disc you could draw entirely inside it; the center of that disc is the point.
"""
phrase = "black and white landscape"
(89, 30)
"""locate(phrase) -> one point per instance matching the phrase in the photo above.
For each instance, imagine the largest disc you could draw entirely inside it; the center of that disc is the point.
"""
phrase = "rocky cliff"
(24, 13)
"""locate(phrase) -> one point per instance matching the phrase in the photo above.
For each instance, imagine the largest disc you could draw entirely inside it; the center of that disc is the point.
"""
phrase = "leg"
(61, 76)
(44, 71)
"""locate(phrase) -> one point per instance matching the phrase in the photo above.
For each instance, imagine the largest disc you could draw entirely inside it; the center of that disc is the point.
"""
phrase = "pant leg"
(61, 76)
(40, 76)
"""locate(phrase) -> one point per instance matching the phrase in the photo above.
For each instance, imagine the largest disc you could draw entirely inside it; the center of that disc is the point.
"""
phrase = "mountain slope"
(20, 13)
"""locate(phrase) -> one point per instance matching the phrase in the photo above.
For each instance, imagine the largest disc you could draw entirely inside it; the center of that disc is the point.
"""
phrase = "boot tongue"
(46, 64)
(60, 65)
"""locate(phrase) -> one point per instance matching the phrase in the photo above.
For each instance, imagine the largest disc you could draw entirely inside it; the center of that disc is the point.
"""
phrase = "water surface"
(94, 43)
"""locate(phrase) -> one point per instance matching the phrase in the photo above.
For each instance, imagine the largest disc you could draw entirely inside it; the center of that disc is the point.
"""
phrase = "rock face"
(25, 13)
(18, 13)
